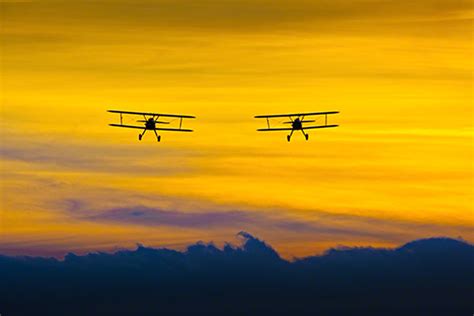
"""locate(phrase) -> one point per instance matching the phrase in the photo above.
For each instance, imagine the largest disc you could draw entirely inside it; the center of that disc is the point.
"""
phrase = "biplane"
(151, 122)
(297, 120)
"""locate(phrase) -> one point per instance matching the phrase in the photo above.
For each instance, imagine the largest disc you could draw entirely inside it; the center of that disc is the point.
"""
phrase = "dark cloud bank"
(424, 277)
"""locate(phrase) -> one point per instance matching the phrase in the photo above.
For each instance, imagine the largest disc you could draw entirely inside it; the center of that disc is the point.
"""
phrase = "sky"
(398, 167)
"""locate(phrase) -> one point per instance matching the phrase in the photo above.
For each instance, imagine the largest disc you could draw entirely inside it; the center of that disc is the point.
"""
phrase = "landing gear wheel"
(159, 138)
(139, 136)
(288, 137)
(306, 136)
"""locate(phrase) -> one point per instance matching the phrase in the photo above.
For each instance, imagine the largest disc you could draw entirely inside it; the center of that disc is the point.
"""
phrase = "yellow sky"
(399, 166)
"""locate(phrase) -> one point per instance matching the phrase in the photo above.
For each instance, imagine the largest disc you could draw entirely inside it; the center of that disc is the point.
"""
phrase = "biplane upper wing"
(296, 114)
(157, 128)
(151, 114)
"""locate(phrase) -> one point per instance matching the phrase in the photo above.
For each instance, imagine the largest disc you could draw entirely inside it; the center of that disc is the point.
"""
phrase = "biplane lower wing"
(151, 114)
(174, 129)
(156, 129)
(274, 129)
(290, 129)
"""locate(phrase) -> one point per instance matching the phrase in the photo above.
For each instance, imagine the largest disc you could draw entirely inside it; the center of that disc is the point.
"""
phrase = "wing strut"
(268, 123)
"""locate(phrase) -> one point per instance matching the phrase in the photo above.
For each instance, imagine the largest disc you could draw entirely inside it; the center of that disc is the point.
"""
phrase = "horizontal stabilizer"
(289, 128)
(157, 122)
(305, 121)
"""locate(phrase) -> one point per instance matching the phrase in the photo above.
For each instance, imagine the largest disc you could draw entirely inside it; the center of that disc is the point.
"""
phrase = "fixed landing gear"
(289, 136)
(306, 136)
(140, 136)
(158, 137)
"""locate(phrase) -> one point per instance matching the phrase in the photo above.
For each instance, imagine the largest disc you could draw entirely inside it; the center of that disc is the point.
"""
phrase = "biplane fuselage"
(297, 124)
(150, 124)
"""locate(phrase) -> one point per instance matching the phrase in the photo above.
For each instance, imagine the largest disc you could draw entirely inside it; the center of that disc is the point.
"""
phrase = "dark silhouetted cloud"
(424, 277)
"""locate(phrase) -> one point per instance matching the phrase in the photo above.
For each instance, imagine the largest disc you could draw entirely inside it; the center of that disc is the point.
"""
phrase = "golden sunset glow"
(399, 166)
